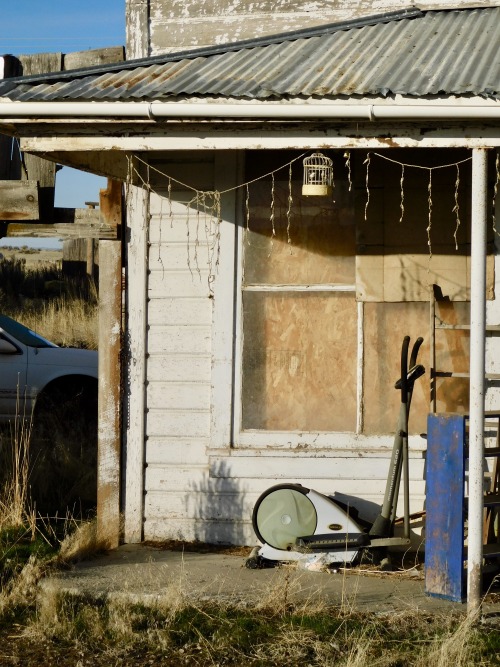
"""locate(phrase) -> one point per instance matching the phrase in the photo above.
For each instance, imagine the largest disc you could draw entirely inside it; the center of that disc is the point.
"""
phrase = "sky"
(41, 26)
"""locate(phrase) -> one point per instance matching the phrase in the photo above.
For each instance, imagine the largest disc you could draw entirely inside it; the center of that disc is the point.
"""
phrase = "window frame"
(264, 439)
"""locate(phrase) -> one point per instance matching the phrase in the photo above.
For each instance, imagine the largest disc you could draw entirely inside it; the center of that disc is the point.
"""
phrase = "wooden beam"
(92, 57)
(109, 440)
(111, 204)
(19, 200)
(68, 223)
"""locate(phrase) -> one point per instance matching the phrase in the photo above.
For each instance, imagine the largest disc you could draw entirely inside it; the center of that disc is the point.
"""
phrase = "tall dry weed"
(67, 321)
(82, 543)
(15, 500)
(20, 591)
(454, 648)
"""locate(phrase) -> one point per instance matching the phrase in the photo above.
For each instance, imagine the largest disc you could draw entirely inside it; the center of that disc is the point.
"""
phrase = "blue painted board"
(445, 575)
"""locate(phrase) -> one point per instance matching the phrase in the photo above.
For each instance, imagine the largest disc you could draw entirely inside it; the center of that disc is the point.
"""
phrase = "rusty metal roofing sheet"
(429, 53)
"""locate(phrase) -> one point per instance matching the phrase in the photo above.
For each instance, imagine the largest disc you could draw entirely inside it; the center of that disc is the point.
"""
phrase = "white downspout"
(477, 375)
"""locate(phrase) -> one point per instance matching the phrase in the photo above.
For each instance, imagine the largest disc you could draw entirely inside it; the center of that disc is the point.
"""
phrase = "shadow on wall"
(217, 504)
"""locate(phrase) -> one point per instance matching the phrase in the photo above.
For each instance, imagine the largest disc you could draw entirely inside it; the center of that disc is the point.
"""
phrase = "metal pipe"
(262, 110)
(477, 374)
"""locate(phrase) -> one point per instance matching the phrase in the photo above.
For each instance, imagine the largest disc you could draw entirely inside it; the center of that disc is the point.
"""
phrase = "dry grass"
(66, 321)
(16, 508)
(81, 543)
(177, 631)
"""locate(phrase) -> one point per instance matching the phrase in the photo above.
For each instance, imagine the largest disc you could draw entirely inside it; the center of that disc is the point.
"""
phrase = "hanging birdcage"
(318, 176)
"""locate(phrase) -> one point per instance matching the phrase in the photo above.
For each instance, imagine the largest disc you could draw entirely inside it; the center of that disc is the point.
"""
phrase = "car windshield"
(23, 334)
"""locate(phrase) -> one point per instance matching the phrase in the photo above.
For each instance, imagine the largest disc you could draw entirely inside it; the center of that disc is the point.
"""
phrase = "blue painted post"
(445, 575)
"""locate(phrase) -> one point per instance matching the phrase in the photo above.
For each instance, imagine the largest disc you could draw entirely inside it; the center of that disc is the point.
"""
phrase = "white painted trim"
(360, 369)
(291, 440)
(136, 307)
(227, 169)
(208, 140)
(479, 212)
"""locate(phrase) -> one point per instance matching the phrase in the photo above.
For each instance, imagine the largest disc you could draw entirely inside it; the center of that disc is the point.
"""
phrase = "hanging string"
(221, 192)
(247, 213)
(419, 166)
(367, 162)
(289, 209)
(160, 260)
(170, 213)
(212, 210)
(429, 200)
(495, 192)
(347, 157)
(401, 187)
(273, 235)
(456, 208)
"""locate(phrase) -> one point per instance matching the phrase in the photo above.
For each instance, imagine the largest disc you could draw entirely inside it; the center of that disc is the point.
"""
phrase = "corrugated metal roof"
(433, 53)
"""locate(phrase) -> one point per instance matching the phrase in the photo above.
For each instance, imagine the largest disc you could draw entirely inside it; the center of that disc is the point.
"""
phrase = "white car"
(35, 372)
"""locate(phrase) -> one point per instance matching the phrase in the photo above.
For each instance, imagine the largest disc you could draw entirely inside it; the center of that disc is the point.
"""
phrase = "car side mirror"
(6, 347)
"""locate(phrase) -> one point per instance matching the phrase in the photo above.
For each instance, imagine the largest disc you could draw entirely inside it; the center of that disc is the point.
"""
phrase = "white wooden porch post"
(477, 374)
(135, 425)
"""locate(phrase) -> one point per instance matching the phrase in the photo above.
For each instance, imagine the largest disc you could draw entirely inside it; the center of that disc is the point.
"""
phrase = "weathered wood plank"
(64, 231)
(176, 451)
(91, 57)
(182, 423)
(179, 311)
(182, 227)
(19, 200)
(212, 532)
(41, 63)
(137, 28)
(168, 282)
(111, 204)
(109, 442)
(179, 368)
(178, 396)
(273, 468)
(182, 478)
(192, 257)
(179, 340)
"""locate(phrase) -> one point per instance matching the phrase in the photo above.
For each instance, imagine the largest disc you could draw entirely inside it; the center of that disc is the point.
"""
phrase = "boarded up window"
(299, 310)
(299, 361)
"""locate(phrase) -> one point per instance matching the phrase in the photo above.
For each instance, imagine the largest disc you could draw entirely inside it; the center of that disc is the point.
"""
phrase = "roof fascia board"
(275, 137)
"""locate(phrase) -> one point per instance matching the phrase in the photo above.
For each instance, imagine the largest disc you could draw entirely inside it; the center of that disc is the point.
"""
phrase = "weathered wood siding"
(179, 24)
(179, 339)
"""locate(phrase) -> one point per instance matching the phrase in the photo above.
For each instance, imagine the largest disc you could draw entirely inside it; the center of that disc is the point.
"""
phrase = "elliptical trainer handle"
(414, 352)
(404, 369)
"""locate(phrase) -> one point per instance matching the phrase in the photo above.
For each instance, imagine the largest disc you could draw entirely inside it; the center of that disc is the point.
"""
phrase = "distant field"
(33, 256)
